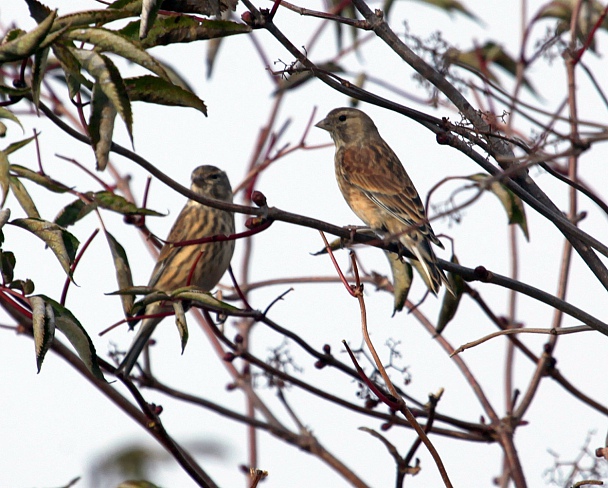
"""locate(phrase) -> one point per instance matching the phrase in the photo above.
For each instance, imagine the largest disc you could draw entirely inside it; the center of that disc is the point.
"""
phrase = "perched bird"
(174, 268)
(379, 191)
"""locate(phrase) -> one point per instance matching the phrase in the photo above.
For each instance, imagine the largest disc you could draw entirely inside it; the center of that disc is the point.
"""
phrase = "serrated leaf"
(479, 60)
(38, 69)
(15, 146)
(71, 69)
(7, 114)
(149, 9)
(109, 81)
(512, 203)
(43, 326)
(75, 333)
(402, 280)
(4, 167)
(7, 266)
(450, 302)
(116, 203)
(25, 286)
(156, 90)
(182, 28)
(135, 290)
(73, 212)
(107, 40)
(589, 15)
(42, 180)
(451, 6)
(38, 11)
(62, 243)
(27, 44)
(203, 298)
(5, 214)
(123, 271)
(23, 197)
(101, 126)
(180, 321)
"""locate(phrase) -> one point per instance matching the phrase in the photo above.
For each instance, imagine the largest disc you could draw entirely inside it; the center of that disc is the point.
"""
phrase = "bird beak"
(322, 124)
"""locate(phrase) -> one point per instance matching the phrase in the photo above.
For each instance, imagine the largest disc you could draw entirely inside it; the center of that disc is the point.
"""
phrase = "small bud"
(229, 357)
(157, 409)
(238, 339)
(247, 18)
(320, 364)
(327, 349)
(259, 198)
(231, 386)
(386, 426)
(482, 274)
(253, 222)
(371, 403)
(442, 138)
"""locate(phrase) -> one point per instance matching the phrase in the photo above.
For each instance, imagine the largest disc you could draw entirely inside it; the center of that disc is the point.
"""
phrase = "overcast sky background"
(54, 426)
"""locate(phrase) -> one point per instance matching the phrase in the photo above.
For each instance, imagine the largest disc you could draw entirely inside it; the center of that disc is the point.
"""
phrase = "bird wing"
(378, 173)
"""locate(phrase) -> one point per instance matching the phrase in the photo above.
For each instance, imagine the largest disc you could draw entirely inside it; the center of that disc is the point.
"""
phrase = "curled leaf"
(180, 321)
(402, 279)
(450, 302)
(123, 271)
(43, 326)
(62, 243)
(512, 203)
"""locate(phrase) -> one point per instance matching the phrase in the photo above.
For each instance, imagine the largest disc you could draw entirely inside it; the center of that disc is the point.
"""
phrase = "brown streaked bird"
(377, 188)
(174, 267)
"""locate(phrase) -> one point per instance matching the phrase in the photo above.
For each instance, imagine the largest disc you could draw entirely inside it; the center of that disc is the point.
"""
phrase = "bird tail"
(427, 266)
(139, 342)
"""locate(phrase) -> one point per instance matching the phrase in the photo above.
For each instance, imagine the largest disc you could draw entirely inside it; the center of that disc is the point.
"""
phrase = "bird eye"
(342, 118)
(214, 176)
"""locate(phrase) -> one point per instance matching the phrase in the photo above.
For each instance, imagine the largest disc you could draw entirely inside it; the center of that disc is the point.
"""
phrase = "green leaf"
(23, 197)
(451, 6)
(73, 212)
(5, 214)
(43, 326)
(123, 271)
(15, 146)
(180, 321)
(107, 40)
(38, 71)
(116, 203)
(26, 287)
(71, 69)
(42, 180)
(203, 298)
(27, 44)
(108, 79)
(156, 90)
(75, 333)
(402, 280)
(511, 202)
(149, 9)
(61, 242)
(7, 114)
(7, 265)
(479, 60)
(101, 126)
(182, 28)
(4, 167)
(450, 302)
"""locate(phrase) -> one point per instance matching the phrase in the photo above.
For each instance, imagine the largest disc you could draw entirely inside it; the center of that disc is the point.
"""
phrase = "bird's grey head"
(347, 125)
(211, 182)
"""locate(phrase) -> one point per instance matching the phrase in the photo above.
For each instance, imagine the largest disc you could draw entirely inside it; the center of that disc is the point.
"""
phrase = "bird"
(379, 191)
(200, 265)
